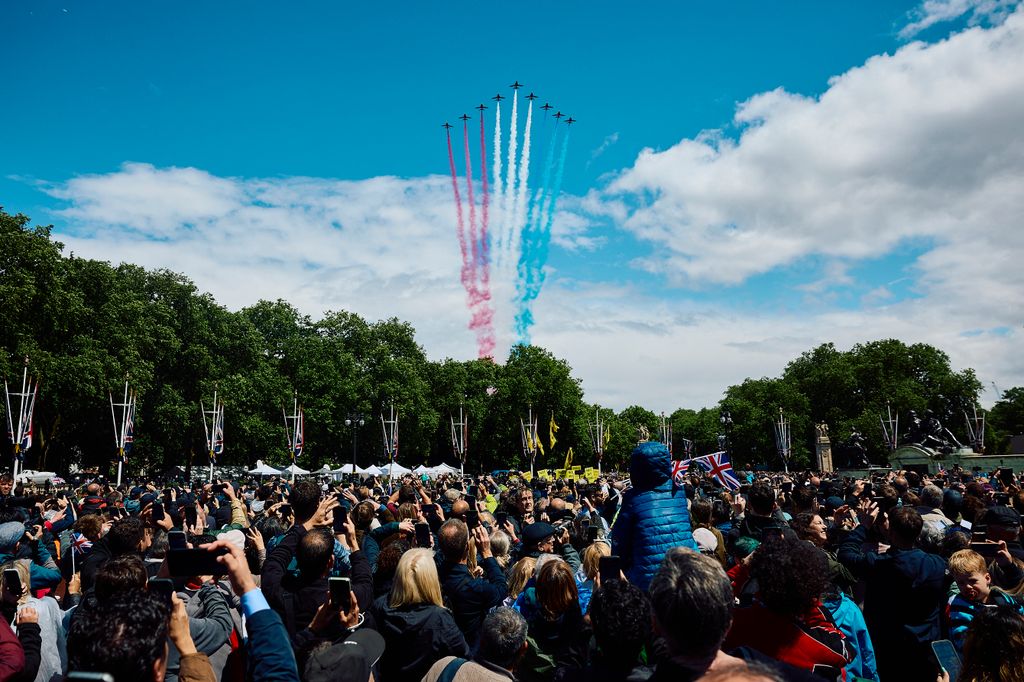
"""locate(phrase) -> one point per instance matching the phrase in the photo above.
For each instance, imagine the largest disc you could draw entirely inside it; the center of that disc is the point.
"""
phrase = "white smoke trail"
(497, 188)
(519, 205)
(510, 179)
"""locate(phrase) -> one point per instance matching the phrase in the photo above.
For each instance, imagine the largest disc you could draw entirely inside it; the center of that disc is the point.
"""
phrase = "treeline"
(86, 324)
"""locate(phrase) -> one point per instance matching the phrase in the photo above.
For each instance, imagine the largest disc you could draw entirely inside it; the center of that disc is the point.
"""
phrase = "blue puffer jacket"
(654, 517)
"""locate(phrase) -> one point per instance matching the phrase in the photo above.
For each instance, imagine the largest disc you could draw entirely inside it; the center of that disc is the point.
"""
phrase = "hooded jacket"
(415, 637)
(654, 517)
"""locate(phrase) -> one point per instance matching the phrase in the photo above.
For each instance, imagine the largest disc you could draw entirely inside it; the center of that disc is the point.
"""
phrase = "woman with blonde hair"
(500, 546)
(587, 573)
(518, 576)
(416, 627)
(37, 621)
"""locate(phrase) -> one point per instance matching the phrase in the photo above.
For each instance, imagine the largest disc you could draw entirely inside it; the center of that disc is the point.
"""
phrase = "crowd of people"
(638, 576)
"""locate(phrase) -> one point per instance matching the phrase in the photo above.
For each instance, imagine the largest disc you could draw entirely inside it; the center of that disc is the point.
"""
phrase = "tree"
(1007, 418)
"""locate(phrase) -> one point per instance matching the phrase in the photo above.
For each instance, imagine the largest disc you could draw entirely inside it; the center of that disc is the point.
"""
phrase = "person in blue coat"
(654, 517)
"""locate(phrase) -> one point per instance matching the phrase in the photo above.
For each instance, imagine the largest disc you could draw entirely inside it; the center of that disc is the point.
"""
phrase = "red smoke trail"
(475, 262)
(481, 316)
(465, 276)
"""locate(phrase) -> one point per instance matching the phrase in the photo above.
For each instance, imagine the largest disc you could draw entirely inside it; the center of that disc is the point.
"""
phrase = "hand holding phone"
(609, 568)
(422, 535)
(341, 593)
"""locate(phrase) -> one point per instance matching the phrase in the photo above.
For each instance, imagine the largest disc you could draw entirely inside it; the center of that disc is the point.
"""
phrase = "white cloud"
(921, 147)
(932, 12)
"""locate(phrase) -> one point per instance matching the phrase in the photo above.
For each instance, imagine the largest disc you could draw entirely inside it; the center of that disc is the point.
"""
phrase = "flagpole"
(21, 424)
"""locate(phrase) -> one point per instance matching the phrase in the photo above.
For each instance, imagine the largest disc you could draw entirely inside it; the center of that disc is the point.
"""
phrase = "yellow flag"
(539, 443)
(553, 429)
(529, 440)
(607, 434)
(568, 459)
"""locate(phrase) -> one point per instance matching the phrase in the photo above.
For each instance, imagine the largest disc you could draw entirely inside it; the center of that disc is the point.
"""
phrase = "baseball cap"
(350, 660)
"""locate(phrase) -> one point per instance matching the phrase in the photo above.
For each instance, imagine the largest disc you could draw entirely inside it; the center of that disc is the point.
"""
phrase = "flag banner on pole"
(719, 467)
(299, 437)
(568, 459)
(218, 433)
(552, 430)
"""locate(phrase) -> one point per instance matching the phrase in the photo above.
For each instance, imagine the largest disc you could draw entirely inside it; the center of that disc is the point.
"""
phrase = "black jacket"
(471, 598)
(295, 599)
(415, 638)
(902, 606)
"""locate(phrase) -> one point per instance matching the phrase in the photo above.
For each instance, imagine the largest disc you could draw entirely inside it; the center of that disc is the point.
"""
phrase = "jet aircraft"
(516, 85)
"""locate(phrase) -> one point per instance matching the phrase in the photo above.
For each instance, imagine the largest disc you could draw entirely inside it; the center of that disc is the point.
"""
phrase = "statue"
(928, 433)
(822, 430)
(853, 451)
(645, 435)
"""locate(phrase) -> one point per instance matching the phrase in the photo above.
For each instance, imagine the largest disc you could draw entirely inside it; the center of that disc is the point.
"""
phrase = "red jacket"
(12, 656)
(812, 642)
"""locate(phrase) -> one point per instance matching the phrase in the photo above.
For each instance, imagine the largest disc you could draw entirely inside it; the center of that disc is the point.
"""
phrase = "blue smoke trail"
(531, 264)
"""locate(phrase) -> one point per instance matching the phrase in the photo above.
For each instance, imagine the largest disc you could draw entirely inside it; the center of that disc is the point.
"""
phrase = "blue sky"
(237, 115)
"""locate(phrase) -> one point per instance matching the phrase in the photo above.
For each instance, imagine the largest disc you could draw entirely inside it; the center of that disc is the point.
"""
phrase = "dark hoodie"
(654, 517)
(415, 638)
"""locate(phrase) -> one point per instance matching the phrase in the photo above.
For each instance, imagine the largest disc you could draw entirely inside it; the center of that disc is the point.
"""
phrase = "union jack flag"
(718, 466)
(80, 544)
(679, 470)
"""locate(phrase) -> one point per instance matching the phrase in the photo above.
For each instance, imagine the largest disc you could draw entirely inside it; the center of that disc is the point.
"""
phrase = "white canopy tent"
(370, 471)
(395, 469)
(324, 470)
(264, 469)
(294, 470)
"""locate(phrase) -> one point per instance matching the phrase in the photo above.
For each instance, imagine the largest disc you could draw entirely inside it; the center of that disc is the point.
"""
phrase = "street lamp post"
(725, 419)
(355, 420)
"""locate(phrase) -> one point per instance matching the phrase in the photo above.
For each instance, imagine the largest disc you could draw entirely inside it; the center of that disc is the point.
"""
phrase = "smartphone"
(501, 518)
(787, 487)
(1006, 476)
(163, 587)
(989, 550)
(191, 562)
(88, 677)
(592, 532)
(422, 535)
(218, 487)
(341, 593)
(285, 509)
(471, 501)
(191, 516)
(609, 568)
(158, 511)
(176, 540)
(472, 519)
(340, 519)
(12, 581)
(947, 657)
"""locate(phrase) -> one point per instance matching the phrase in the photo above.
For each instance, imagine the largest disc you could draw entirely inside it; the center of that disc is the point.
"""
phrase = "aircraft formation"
(504, 216)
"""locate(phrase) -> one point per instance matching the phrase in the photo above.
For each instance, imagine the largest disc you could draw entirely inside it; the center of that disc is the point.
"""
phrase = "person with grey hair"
(502, 645)
(469, 598)
(931, 509)
(692, 600)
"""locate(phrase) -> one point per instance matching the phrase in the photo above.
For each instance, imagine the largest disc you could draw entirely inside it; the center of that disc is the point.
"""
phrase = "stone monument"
(824, 447)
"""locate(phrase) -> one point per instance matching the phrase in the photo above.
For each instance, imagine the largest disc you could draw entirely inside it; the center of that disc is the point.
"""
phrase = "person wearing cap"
(44, 570)
(1003, 524)
(502, 645)
(654, 516)
(350, 660)
(543, 538)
